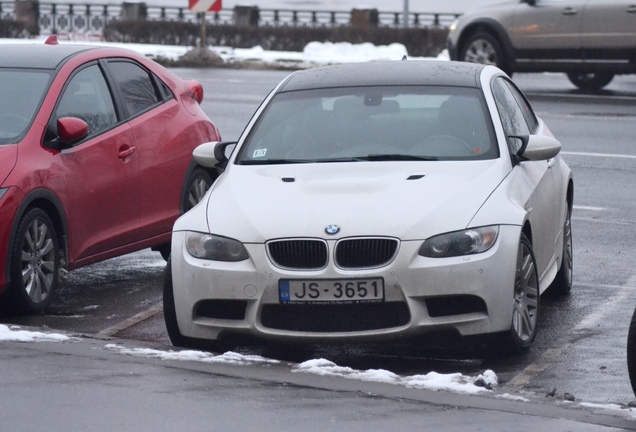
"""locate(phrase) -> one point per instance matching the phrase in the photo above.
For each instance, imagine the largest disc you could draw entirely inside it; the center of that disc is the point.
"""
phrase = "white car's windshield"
(372, 124)
(21, 92)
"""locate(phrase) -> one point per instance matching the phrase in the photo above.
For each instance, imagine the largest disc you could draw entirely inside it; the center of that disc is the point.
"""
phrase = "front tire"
(35, 263)
(563, 281)
(526, 299)
(592, 81)
(484, 48)
(631, 352)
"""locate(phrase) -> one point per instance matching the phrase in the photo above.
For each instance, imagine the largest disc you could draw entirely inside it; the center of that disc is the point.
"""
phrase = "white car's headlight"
(215, 248)
(466, 242)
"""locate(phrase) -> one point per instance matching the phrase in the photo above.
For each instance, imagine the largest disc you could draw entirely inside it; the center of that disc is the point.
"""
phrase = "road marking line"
(605, 221)
(583, 329)
(123, 325)
(578, 207)
(603, 155)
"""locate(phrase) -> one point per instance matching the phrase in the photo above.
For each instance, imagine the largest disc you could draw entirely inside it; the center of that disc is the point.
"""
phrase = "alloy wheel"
(481, 51)
(38, 260)
(526, 296)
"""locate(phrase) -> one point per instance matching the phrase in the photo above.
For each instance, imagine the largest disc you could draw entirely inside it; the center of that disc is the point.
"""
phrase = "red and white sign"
(205, 5)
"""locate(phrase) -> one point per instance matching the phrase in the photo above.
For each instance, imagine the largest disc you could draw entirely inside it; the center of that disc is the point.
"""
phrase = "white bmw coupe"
(374, 202)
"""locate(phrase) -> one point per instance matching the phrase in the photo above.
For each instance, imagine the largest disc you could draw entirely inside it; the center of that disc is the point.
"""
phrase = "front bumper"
(471, 295)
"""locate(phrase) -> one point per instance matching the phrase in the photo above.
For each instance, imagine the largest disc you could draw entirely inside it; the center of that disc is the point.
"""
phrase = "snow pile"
(189, 355)
(454, 382)
(345, 52)
(13, 334)
(314, 53)
(630, 412)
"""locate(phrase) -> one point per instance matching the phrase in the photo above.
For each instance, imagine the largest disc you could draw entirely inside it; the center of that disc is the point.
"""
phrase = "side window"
(87, 97)
(136, 86)
(526, 109)
(510, 113)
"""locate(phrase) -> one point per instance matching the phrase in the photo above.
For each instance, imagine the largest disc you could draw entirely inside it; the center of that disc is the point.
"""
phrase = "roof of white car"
(408, 72)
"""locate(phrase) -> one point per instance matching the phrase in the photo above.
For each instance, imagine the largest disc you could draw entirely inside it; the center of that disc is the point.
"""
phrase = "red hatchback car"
(95, 161)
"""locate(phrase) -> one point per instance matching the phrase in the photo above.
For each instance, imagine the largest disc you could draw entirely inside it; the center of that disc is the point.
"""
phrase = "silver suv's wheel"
(484, 48)
(592, 81)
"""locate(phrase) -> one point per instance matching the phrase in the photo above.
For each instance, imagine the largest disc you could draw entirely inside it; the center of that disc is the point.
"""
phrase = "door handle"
(125, 152)
(631, 9)
(569, 11)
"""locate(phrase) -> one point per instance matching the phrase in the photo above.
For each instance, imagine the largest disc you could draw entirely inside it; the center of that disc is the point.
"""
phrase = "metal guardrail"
(91, 18)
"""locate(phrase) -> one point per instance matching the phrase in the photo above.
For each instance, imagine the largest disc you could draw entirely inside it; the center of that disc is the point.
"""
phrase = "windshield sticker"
(259, 153)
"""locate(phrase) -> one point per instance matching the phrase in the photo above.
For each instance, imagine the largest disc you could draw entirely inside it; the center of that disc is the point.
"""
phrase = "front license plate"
(331, 290)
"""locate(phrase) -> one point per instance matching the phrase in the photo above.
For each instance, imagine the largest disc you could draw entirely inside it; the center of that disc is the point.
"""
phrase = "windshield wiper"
(274, 161)
(368, 158)
(396, 157)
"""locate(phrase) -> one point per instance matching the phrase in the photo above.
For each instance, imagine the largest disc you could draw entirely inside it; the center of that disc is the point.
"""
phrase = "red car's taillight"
(195, 90)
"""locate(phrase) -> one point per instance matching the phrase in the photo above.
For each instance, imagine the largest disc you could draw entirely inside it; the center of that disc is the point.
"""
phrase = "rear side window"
(137, 86)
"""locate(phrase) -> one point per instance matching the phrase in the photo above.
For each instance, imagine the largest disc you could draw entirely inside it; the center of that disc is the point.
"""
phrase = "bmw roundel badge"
(332, 229)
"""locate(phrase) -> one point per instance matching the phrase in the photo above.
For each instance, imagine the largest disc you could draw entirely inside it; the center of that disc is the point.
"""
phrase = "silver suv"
(589, 40)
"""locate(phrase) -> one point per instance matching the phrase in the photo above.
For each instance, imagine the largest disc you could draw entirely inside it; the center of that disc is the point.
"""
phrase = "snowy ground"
(484, 383)
(315, 53)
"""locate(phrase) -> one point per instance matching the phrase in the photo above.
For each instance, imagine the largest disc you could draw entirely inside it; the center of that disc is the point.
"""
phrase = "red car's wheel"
(34, 264)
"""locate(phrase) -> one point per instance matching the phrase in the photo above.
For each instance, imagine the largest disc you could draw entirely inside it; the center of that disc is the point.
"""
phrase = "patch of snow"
(508, 396)
(229, 357)
(314, 53)
(455, 382)
(631, 412)
(14, 334)
(345, 52)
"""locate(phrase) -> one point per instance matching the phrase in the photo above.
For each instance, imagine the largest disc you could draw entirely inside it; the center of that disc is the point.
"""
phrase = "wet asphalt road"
(581, 347)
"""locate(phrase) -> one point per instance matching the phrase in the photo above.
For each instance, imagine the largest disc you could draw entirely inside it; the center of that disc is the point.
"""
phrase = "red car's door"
(100, 173)
(164, 140)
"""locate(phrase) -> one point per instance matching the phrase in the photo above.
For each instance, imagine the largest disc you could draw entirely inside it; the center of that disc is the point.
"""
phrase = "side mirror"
(531, 2)
(213, 154)
(538, 147)
(71, 129)
(66, 132)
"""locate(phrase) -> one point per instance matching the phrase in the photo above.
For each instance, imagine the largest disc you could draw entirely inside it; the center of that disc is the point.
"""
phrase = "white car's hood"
(408, 200)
